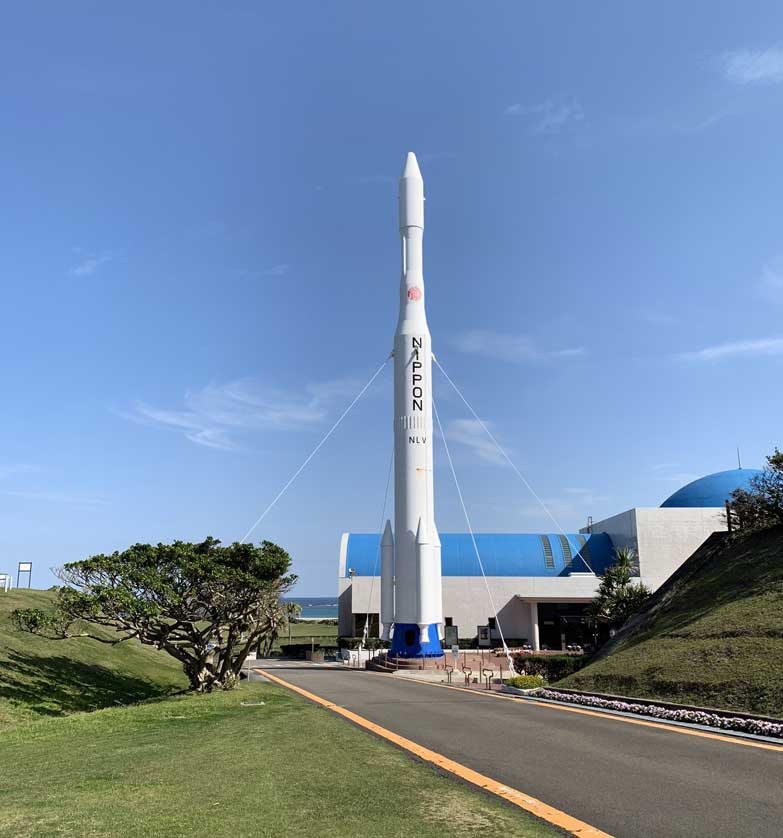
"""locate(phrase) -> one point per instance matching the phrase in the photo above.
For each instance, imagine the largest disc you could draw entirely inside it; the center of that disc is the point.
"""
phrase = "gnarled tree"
(760, 505)
(206, 605)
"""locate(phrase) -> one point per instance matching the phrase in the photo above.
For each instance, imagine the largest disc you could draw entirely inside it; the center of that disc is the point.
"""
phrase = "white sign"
(25, 567)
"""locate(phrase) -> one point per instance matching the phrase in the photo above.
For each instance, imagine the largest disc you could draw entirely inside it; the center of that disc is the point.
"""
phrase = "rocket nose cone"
(411, 169)
(388, 538)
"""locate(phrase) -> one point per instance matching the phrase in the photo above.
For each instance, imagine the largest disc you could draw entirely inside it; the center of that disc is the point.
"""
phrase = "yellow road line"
(720, 737)
(524, 801)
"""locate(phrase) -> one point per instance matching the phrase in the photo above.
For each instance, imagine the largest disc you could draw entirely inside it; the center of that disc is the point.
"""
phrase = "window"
(449, 621)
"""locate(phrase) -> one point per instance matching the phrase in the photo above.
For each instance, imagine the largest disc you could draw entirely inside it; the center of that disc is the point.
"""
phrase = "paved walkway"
(630, 780)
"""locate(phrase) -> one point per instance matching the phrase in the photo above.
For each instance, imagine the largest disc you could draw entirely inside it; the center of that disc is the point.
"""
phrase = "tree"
(293, 610)
(618, 595)
(205, 604)
(761, 505)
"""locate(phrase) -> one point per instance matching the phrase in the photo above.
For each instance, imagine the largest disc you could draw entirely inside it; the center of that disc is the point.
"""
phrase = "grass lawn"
(207, 766)
(711, 636)
(40, 677)
(302, 632)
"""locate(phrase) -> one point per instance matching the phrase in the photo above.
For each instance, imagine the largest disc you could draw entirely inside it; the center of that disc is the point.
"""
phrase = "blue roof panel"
(502, 554)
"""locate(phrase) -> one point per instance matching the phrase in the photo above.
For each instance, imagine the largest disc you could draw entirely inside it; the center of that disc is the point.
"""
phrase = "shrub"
(297, 650)
(526, 682)
(550, 667)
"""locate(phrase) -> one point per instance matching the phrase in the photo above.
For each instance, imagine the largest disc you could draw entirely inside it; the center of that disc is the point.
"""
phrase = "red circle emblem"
(414, 293)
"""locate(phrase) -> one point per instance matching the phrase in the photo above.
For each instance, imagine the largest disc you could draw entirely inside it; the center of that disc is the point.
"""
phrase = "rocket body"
(416, 579)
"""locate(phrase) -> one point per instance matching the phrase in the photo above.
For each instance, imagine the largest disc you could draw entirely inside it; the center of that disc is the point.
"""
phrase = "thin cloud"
(760, 66)
(514, 348)
(218, 415)
(659, 318)
(366, 180)
(89, 264)
(11, 469)
(771, 284)
(276, 270)
(470, 434)
(549, 117)
(735, 349)
(58, 497)
(682, 478)
(572, 507)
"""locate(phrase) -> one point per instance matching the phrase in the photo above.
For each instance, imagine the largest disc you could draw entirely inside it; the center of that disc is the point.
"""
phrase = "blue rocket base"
(406, 642)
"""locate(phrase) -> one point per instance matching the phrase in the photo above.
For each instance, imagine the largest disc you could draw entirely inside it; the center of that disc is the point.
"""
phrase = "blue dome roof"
(712, 490)
(502, 554)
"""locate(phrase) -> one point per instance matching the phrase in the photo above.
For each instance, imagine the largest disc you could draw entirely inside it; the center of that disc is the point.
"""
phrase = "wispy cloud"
(548, 117)
(373, 179)
(276, 270)
(515, 348)
(771, 284)
(658, 318)
(469, 433)
(570, 509)
(671, 122)
(10, 469)
(430, 156)
(749, 66)
(89, 264)
(58, 497)
(734, 349)
(216, 415)
(681, 478)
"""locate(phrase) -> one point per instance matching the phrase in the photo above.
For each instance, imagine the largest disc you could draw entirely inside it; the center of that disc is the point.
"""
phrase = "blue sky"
(199, 261)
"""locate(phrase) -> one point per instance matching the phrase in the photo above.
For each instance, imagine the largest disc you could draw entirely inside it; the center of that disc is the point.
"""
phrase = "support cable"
(377, 554)
(473, 539)
(574, 548)
(315, 450)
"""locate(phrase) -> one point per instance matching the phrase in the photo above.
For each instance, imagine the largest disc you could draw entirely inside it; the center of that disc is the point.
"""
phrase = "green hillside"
(40, 677)
(711, 636)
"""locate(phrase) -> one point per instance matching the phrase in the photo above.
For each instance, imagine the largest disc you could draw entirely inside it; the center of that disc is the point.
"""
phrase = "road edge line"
(530, 804)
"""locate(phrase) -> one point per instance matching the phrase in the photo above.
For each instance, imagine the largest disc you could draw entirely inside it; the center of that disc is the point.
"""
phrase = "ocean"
(316, 607)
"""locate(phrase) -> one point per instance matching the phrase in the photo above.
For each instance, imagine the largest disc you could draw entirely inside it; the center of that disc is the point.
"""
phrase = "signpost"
(450, 635)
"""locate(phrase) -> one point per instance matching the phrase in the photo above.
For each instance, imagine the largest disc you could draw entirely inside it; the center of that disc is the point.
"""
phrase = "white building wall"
(620, 528)
(465, 599)
(667, 537)
(662, 537)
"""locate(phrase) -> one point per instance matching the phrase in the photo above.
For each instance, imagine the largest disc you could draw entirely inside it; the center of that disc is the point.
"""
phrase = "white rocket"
(411, 590)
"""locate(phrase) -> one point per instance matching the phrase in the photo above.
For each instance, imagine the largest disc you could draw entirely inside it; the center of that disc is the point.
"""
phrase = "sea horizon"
(316, 607)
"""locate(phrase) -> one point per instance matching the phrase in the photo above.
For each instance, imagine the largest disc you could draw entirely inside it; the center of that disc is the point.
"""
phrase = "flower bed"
(699, 717)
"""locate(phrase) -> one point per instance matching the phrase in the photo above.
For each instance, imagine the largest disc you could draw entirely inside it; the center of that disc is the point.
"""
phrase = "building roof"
(502, 554)
(712, 490)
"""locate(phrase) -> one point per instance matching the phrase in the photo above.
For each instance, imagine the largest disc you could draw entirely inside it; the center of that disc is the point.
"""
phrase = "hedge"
(551, 667)
(297, 650)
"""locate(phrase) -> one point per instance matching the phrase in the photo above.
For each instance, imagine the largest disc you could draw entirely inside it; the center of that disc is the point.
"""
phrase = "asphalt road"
(628, 780)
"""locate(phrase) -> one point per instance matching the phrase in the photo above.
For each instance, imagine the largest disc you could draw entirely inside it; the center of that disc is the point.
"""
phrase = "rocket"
(411, 588)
